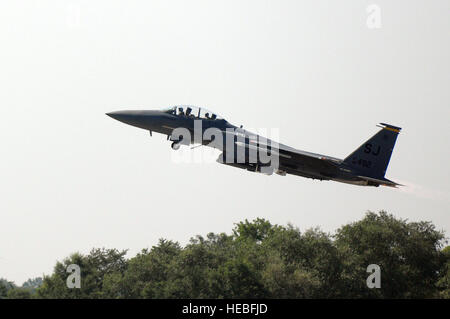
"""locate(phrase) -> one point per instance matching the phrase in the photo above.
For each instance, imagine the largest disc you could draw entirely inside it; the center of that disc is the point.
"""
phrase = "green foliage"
(257, 230)
(148, 273)
(33, 283)
(5, 286)
(94, 268)
(444, 275)
(261, 260)
(9, 290)
(409, 255)
(19, 293)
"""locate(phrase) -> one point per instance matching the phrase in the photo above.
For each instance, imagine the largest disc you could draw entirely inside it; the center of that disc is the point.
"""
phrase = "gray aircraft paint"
(366, 166)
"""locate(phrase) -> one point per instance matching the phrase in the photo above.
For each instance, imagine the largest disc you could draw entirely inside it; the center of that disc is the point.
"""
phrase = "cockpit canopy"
(193, 112)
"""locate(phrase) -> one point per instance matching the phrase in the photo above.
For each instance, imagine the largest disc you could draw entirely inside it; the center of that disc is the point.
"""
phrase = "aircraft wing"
(294, 158)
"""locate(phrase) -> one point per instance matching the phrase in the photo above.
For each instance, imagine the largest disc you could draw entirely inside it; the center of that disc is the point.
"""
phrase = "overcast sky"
(72, 178)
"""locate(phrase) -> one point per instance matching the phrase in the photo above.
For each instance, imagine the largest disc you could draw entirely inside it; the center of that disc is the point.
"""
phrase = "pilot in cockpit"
(180, 111)
(207, 116)
(188, 112)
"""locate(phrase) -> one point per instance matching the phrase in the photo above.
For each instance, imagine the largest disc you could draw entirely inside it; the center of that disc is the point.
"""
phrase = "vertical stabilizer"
(372, 158)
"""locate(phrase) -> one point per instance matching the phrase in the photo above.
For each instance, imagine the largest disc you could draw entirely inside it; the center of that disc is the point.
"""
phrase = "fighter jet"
(185, 125)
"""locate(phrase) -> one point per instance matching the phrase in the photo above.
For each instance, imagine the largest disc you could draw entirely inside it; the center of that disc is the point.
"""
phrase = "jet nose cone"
(142, 119)
(128, 117)
(119, 115)
(111, 114)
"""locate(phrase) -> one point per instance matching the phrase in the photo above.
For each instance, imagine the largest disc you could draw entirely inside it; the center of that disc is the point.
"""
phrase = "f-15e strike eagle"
(186, 125)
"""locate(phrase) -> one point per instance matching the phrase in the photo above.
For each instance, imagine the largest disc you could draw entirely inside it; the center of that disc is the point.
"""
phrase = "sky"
(322, 73)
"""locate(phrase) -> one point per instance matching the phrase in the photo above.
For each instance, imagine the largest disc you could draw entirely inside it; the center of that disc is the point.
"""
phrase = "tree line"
(262, 260)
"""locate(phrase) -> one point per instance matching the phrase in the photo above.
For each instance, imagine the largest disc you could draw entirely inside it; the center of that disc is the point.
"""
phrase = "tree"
(147, 274)
(257, 230)
(5, 286)
(444, 280)
(261, 260)
(19, 293)
(310, 260)
(32, 285)
(94, 268)
(408, 253)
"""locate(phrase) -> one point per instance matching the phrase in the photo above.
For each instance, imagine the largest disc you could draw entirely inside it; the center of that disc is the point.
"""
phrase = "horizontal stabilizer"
(384, 182)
